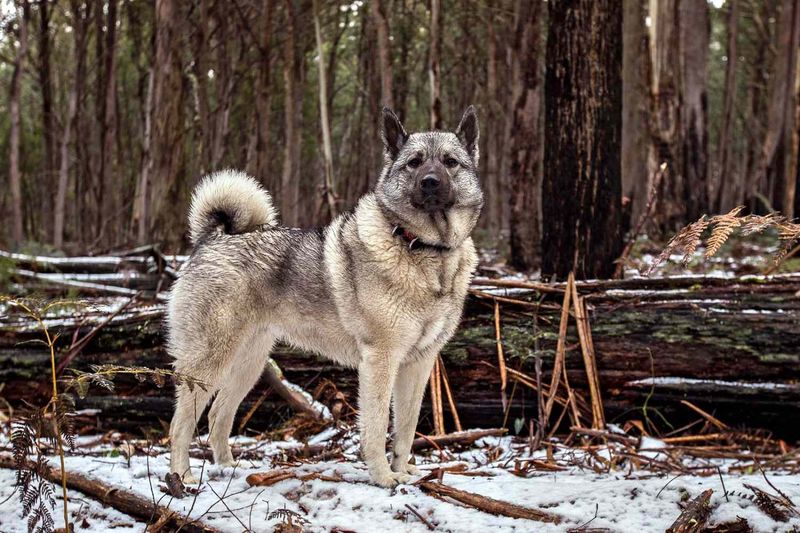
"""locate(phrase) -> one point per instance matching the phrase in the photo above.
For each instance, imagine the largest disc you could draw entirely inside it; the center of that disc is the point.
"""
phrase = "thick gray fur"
(352, 292)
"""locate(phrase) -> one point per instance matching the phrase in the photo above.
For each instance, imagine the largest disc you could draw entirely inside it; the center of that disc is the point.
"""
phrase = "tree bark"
(201, 71)
(635, 184)
(791, 139)
(141, 210)
(165, 156)
(726, 181)
(495, 199)
(581, 194)
(81, 13)
(376, 11)
(14, 174)
(665, 113)
(258, 155)
(526, 138)
(695, 515)
(290, 178)
(226, 62)
(695, 27)
(48, 117)
(434, 74)
(781, 87)
(63, 171)
(793, 165)
(329, 188)
(111, 201)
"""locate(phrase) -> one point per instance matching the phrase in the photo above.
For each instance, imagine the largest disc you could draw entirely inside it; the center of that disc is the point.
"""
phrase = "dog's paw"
(407, 468)
(227, 463)
(189, 479)
(389, 479)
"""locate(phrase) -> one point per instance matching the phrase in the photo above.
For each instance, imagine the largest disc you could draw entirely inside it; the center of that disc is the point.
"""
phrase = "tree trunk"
(14, 175)
(581, 194)
(141, 206)
(111, 202)
(791, 140)
(329, 188)
(634, 104)
(165, 155)
(81, 13)
(434, 75)
(226, 62)
(63, 171)
(258, 155)
(526, 137)
(48, 117)
(781, 87)
(495, 199)
(384, 52)
(665, 113)
(290, 179)
(695, 27)
(793, 165)
(200, 70)
(726, 181)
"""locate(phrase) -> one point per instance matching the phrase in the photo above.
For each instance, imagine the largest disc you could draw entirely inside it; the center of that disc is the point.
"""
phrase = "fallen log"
(695, 516)
(122, 500)
(488, 505)
(718, 343)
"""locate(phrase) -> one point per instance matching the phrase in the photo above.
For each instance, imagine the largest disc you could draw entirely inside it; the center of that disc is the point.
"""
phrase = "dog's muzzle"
(433, 193)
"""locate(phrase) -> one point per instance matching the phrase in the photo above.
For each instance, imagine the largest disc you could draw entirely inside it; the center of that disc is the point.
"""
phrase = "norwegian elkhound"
(380, 289)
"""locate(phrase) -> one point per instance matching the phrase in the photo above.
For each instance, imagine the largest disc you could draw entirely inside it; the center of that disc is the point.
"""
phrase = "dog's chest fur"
(388, 296)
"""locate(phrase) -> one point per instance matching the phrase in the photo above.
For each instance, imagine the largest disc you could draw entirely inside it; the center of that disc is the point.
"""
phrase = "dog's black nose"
(429, 184)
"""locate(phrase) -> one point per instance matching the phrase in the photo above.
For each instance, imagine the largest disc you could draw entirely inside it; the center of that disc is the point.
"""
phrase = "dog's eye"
(450, 162)
(415, 163)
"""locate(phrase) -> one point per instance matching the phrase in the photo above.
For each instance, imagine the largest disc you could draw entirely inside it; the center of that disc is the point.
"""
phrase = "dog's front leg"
(409, 388)
(376, 376)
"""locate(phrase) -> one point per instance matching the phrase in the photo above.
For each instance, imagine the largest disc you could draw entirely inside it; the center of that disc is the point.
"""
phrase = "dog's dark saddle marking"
(415, 243)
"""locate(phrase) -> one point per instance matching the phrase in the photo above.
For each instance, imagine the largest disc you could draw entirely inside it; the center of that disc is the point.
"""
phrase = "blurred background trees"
(114, 109)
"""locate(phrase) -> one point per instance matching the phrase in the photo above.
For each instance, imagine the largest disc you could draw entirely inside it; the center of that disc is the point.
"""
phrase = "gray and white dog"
(380, 289)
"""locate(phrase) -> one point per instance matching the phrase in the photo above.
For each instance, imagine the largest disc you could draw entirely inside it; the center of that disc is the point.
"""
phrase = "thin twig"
(560, 348)
(451, 402)
(422, 518)
(501, 358)
(589, 360)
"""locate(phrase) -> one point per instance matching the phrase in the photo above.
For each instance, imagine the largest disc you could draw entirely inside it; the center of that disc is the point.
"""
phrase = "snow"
(671, 380)
(622, 499)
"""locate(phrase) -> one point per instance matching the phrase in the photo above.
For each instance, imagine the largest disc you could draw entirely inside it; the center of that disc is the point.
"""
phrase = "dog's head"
(429, 182)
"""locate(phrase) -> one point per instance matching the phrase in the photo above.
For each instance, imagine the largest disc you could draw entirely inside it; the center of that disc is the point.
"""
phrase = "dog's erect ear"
(393, 133)
(468, 132)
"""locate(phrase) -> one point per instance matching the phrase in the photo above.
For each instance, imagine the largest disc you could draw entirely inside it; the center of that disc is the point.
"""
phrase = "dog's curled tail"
(230, 201)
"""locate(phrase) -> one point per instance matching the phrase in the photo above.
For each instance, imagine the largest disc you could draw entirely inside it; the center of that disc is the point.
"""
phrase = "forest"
(627, 356)
(115, 110)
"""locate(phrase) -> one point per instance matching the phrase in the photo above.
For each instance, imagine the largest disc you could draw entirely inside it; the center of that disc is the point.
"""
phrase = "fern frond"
(753, 224)
(35, 516)
(723, 228)
(685, 241)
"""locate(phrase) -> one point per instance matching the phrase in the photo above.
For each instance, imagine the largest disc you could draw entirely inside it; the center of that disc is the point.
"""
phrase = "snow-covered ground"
(624, 500)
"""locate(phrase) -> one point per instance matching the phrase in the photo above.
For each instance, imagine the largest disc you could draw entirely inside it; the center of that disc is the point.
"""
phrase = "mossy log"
(729, 346)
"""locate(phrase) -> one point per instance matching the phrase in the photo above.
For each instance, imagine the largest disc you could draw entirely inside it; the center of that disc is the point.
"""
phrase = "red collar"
(414, 242)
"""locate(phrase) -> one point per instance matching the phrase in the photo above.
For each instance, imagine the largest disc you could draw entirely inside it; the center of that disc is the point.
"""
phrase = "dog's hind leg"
(188, 408)
(409, 388)
(245, 370)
